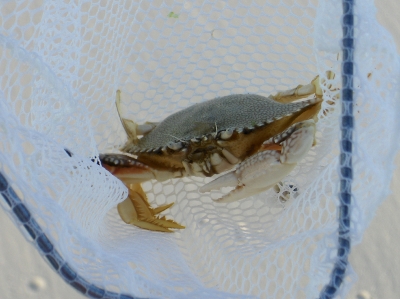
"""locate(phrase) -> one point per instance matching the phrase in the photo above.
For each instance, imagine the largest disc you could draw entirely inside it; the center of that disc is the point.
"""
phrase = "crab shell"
(210, 138)
(264, 136)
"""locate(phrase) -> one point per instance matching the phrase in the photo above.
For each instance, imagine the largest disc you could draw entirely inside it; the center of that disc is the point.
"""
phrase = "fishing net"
(61, 63)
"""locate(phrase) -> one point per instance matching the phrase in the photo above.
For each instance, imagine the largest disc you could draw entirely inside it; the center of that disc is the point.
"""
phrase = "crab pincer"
(254, 141)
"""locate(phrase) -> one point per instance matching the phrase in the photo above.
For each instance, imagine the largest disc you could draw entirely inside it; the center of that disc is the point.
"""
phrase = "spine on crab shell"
(346, 172)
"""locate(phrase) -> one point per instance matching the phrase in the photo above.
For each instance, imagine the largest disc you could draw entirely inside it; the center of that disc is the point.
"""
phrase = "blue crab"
(256, 140)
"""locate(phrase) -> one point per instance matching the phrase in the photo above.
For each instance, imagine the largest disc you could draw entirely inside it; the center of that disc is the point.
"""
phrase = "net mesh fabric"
(61, 63)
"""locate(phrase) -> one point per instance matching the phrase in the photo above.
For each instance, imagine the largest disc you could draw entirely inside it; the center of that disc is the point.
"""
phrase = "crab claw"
(131, 171)
(266, 168)
(136, 210)
(255, 175)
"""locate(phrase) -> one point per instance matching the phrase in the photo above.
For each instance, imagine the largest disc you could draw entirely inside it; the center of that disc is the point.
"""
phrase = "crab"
(255, 141)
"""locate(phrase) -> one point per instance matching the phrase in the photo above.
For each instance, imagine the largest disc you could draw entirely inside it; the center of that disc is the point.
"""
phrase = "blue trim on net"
(22, 215)
(346, 170)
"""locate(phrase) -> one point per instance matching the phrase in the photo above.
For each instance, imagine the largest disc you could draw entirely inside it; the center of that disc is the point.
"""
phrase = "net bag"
(61, 64)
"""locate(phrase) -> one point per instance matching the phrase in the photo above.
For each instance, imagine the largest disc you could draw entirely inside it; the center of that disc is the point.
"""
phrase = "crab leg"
(302, 91)
(131, 171)
(132, 129)
(136, 210)
(266, 168)
(255, 175)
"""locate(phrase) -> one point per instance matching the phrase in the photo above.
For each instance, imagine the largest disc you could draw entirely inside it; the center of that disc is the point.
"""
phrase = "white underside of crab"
(265, 169)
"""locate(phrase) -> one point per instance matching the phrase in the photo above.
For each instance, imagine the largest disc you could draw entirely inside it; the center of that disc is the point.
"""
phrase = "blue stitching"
(22, 215)
(346, 170)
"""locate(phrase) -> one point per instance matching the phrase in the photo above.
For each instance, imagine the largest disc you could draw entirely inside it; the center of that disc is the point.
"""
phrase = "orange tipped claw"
(137, 211)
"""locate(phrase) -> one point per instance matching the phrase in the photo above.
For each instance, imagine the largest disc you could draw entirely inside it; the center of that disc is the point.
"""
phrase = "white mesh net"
(61, 63)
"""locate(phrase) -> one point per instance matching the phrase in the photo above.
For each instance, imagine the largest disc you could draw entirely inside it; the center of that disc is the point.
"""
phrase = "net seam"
(338, 273)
